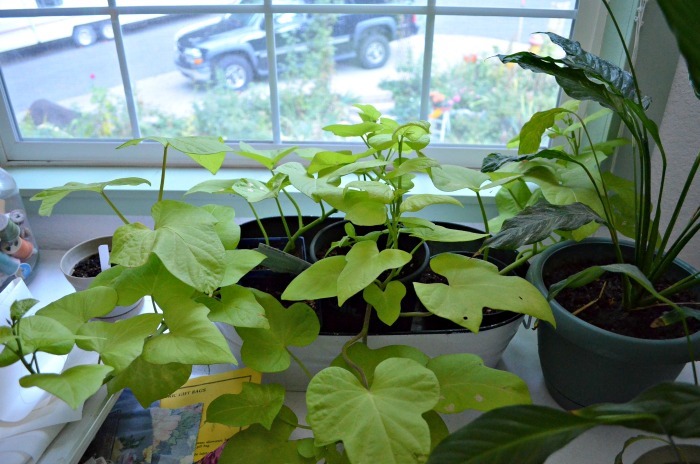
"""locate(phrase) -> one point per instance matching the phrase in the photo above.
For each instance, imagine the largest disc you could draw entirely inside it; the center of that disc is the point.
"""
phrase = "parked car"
(233, 47)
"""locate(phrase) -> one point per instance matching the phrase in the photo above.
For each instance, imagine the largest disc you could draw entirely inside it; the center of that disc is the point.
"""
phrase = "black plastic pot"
(348, 318)
(274, 227)
(583, 364)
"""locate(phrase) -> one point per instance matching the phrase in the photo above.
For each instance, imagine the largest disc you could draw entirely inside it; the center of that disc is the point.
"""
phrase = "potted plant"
(189, 267)
(639, 281)
(188, 254)
(529, 434)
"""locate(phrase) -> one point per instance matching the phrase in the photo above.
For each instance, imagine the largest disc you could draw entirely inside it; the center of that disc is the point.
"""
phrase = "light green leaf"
(41, 333)
(19, 308)
(207, 151)
(381, 425)
(368, 359)
(320, 280)
(74, 385)
(450, 178)
(364, 264)
(255, 404)
(353, 130)
(50, 197)
(182, 239)
(428, 231)
(239, 263)
(237, 307)
(192, 338)
(419, 201)
(387, 303)
(438, 428)
(473, 285)
(533, 130)
(227, 228)
(265, 350)
(75, 309)
(465, 383)
(359, 207)
(253, 190)
(118, 343)
(150, 382)
(330, 160)
(150, 279)
(267, 158)
(255, 445)
(412, 165)
(302, 180)
(6, 335)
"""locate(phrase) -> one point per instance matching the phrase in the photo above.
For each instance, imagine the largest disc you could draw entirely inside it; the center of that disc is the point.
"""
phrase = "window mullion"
(124, 70)
(272, 73)
(427, 59)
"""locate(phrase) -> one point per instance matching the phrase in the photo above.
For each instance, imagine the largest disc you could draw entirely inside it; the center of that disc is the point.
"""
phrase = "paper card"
(204, 390)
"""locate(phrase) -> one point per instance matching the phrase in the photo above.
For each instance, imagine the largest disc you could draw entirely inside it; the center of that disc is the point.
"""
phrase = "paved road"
(66, 74)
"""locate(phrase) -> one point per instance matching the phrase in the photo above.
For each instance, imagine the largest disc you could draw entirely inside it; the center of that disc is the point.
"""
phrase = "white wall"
(680, 133)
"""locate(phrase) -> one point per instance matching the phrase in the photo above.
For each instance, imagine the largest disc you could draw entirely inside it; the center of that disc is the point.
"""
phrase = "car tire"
(105, 30)
(84, 36)
(234, 71)
(374, 51)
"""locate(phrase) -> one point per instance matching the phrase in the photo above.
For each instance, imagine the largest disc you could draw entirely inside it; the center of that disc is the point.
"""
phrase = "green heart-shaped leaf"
(387, 303)
(473, 285)
(182, 239)
(227, 228)
(75, 309)
(383, 424)
(239, 263)
(256, 444)
(50, 197)
(265, 350)
(368, 359)
(192, 338)
(465, 383)
(364, 264)
(320, 280)
(207, 151)
(267, 158)
(255, 404)
(121, 342)
(74, 385)
(419, 201)
(237, 307)
(450, 178)
(150, 382)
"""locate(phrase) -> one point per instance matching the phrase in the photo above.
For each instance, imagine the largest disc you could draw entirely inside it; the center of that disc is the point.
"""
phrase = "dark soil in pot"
(600, 303)
(87, 267)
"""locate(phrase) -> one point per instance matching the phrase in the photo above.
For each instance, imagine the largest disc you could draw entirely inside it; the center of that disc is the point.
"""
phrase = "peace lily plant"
(383, 404)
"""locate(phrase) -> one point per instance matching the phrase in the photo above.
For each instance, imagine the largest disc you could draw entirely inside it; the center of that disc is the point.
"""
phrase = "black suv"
(233, 46)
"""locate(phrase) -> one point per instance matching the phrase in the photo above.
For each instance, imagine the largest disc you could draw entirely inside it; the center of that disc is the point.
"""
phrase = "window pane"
(223, 63)
(474, 98)
(61, 90)
(29, 4)
(333, 61)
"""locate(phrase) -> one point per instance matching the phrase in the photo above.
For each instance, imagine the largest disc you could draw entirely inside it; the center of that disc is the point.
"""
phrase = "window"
(80, 76)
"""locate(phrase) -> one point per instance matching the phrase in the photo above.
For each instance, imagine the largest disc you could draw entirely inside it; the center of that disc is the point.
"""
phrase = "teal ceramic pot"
(583, 364)
(667, 455)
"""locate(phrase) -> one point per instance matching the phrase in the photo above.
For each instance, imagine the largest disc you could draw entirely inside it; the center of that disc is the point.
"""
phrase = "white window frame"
(14, 151)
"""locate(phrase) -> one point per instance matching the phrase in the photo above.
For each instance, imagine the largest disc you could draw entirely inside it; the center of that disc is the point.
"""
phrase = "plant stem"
(114, 208)
(283, 219)
(162, 173)
(300, 363)
(260, 225)
(360, 336)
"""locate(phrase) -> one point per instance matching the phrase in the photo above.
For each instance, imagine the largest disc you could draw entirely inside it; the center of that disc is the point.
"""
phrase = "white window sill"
(85, 215)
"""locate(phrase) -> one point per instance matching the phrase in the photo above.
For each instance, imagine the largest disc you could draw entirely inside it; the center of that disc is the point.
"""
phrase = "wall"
(680, 132)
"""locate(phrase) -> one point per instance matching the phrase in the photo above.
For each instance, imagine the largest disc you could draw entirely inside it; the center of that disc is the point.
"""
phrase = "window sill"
(85, 215)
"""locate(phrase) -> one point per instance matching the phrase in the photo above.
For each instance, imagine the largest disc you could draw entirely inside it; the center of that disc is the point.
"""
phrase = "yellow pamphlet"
(204, 390)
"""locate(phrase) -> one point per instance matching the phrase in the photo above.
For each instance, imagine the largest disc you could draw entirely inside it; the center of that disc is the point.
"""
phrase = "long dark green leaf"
(493, 161)
(523, 434)
(682, 17)
(576, 57)
(668, 408)
(535, 223)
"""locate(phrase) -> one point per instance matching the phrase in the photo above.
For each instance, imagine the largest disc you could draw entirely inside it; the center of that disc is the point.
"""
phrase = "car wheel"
(106, 31)
(374, 51)
(84, 36)
(235, 72)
